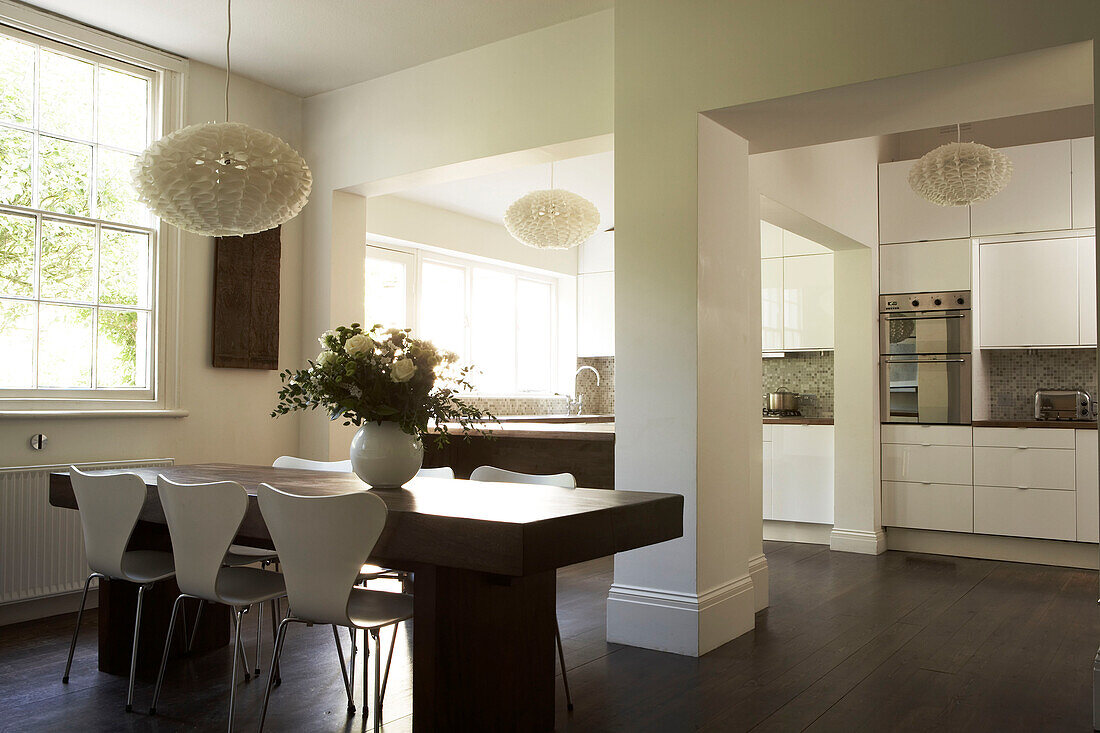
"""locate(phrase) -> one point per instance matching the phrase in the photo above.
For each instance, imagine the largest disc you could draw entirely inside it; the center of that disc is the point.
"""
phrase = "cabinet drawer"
(1027, 437)
(927, 434)
(929, 464)
(767, 433)
(944, 507)
(1025, 513)
(1030, 468)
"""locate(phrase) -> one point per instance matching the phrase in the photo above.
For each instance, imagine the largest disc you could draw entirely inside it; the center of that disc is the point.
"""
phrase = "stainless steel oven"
(925, 366)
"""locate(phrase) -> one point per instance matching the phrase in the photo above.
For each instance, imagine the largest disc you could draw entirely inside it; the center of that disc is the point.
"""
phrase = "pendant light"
(552, 218)
(960, 174)
(221, 179)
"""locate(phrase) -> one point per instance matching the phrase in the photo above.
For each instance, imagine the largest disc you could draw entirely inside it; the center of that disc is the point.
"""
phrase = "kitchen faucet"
(578, 403)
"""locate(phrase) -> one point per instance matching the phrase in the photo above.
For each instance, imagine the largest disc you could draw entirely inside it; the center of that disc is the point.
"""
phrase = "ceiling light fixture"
(552, 219)
(221, 179)
(960, 174)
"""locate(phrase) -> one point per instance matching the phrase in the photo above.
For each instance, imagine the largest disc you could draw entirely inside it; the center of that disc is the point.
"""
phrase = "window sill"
(92, 413)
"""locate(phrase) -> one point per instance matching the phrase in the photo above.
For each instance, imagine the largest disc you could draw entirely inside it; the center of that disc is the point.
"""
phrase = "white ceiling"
(310, 46)
(487, 197)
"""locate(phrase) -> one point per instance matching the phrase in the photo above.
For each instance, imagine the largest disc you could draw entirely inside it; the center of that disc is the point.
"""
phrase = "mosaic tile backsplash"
(597, 400)
(555, 405)
(1013, 375)
(809, 373)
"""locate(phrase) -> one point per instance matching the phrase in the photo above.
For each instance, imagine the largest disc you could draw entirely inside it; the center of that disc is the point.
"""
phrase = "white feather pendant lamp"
(552, 219)
(959, 174)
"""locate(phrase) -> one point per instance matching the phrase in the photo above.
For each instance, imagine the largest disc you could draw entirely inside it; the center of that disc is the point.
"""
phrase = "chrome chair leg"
(275, 607)
(561, 658)
(259, 634)
(239, 645)
(344, 672)
(134, 649)
(164, 658)
(279, 638)
(354, 634)
(76, 631)
(195, 628)
(386, 675)
(237, 613)
(377, 680)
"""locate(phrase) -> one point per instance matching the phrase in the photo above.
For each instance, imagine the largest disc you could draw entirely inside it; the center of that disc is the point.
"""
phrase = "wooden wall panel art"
(246, 301)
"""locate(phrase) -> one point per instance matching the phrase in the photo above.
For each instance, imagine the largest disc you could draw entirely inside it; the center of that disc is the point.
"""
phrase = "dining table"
(484, 558)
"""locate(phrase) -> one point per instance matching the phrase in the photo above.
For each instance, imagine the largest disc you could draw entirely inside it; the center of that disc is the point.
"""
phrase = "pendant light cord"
(228, 35)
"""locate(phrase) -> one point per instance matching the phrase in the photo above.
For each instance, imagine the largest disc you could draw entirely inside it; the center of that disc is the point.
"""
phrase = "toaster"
(1064, 404)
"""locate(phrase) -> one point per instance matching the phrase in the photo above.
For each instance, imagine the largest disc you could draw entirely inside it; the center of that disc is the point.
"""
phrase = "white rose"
(358, 345)
(325, 358)
(323, 338)
(403, 370)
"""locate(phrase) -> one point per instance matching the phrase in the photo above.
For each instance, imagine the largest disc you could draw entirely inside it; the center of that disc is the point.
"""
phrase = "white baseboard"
(682, 623)
(20, 611)
(864, 542)
(758, 572)
(805, 532)
(993, 547)
(1096, 691)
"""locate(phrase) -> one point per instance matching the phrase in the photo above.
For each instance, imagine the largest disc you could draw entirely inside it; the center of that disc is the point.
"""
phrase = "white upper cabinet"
(1086, 290)
(1037, 198)
(906, 217)
(771, 240)
(794, 245)
(597, 254)
(1084, 183)
(924, 267)
(1028, 293)
(771, 304)
(808, 302)
(596, 314)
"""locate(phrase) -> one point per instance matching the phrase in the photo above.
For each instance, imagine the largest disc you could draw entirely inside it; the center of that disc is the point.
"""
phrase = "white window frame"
(168, 74)
(468, 264)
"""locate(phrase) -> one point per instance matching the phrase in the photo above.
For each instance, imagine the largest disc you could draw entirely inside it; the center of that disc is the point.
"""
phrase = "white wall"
(229, 408)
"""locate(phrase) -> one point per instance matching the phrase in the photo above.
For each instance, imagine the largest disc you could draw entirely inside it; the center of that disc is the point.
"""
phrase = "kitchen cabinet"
(597, 254)
(808, 302)
(771, 240)
(945, 507)
(906, 217)
(1038, 197)
(927, 477)
(1027, 293)
(771, 304)
(1084, 182)
(924, 267)
(766, 472)
(1088, 496)
(1038, 513)
(596, 314)
(801, 473)
(1086, 290)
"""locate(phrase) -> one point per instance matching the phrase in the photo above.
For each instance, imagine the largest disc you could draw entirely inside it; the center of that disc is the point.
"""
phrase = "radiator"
(41, 546)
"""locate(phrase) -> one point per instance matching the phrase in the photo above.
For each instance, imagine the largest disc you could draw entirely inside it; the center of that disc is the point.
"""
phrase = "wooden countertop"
(1064, 424)
(598, 431)
(798, 421)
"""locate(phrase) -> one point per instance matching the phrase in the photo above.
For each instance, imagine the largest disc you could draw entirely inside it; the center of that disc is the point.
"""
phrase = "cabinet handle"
(926, 483)
(1022, 447)
(926, 445)
(1023, 488)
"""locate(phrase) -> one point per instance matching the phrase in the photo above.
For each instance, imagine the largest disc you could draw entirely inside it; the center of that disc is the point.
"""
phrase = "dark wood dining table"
(484, 558)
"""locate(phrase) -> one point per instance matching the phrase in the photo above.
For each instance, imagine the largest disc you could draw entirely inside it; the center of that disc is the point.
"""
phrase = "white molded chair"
(203, 519)
(308, 465)
(109, 508)
(444, 472)
(322, 541)
(563, 480)
(491, 473)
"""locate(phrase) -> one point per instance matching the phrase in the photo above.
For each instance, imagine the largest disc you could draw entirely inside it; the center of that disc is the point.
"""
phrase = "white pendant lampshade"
(552, 219)
(222, 179)
(959, 174)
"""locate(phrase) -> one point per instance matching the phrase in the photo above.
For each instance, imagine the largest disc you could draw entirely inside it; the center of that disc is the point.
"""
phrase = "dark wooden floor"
(850, 643)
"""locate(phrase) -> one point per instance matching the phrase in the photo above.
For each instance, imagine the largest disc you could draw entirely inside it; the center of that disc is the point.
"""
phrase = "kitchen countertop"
(798, 421)
(1078, 424)
(596, 431)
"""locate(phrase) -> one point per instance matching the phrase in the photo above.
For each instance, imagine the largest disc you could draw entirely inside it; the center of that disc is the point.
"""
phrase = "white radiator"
(41, 546)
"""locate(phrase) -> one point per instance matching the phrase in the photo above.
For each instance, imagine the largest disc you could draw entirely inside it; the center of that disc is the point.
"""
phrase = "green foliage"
(381, 376)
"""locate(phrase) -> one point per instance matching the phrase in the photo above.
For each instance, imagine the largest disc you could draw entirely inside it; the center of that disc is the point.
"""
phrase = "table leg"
(483, 651)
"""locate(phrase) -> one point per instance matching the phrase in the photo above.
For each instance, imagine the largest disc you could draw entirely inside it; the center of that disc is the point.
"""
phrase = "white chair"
(322, 541)
(109, 508)
(444, 472)
(562, 480)
(203, 519)
(308, 465)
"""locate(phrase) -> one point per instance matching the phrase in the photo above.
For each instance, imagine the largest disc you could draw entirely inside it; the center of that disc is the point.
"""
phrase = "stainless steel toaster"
(1064, 404)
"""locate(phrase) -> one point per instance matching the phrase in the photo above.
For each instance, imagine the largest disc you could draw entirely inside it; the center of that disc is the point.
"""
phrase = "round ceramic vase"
(384, 456)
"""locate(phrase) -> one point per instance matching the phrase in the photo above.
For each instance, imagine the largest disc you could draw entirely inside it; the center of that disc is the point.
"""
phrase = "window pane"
(123, 110)
(64, 176)
(65, 95)
(386, 293)
(124, 268)
(493, 330)
(68, 255)
(443, 305)
(534, 333)
(15, 166)
(16, 255)
(115, 197)
(16, 343)
(121, 346)
(17, 81)
(64, 346)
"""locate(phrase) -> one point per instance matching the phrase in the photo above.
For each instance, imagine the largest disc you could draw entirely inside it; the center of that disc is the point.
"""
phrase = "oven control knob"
(937, 301)
(960, 301)
(916, 303)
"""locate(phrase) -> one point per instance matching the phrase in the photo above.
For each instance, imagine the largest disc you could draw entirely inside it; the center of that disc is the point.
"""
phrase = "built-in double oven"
(925, 343)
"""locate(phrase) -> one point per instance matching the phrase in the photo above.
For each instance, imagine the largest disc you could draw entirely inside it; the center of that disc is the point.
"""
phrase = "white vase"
(384, 456)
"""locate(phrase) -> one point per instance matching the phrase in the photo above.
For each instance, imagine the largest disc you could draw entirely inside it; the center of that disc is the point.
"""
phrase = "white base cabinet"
(1039, 513)
(798, 473)
(946, 507)
(1088, 498)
